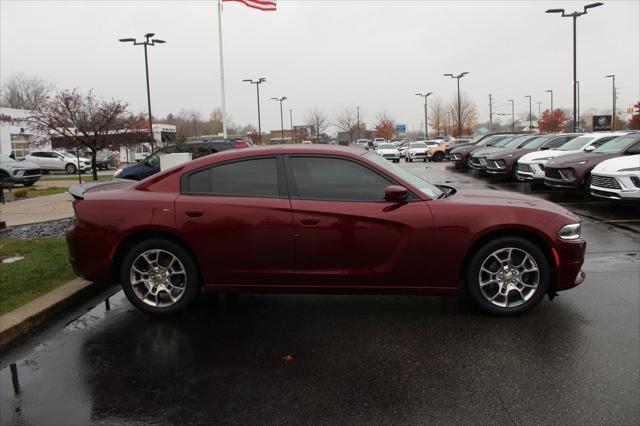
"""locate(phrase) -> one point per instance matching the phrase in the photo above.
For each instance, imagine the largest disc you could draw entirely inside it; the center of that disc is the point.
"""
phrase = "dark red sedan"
(318, 220)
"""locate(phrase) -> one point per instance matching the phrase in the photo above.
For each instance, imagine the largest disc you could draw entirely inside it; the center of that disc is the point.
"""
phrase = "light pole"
(258, 82)
(578, 103)
(530, 118)
(193, 116)
(146, 43)
(426, 116)
(575, 16)
(613, 88)
(539, 110)
(490, 112)
(282, 99)
(291, 121)
(458, 77)
(513, 119)
(358, 120)
(552, 116)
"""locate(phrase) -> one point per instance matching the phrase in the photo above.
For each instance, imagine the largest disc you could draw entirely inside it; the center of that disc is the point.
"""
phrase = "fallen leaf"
(287, 358)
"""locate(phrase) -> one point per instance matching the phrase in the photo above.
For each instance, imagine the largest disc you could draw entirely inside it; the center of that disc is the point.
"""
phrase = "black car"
(198, 148)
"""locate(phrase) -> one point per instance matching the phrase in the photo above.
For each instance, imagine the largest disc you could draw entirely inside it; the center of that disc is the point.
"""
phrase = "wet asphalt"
(305, 359)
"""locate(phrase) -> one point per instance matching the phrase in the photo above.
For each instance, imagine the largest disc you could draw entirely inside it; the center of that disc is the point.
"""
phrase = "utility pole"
(490, 112)
(539, 118)
(613, 116)
(513, 119)
(578, 104)
(291, 121)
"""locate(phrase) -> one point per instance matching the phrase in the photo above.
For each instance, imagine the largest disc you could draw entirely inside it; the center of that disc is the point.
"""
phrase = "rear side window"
(319, 178)
(558, 142)
(602, 141)
(248, 178)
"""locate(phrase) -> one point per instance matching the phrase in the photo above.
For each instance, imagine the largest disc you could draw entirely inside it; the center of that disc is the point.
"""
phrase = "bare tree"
(89, 122)
(437, 116)
(468, 113)
(347, 121)
(318, 120)
(24, 92)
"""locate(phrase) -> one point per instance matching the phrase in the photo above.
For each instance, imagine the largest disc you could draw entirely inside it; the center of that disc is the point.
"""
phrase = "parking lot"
(301, 359)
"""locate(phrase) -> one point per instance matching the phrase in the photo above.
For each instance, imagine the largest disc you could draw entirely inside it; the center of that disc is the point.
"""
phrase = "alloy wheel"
(158, 278)
(509, 277)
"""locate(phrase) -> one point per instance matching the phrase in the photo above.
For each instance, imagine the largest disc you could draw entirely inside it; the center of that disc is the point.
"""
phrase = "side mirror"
(395, 193)
(544, 148)
(589, 148)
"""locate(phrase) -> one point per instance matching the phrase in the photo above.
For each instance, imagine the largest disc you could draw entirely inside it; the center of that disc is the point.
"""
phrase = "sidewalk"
(37, 209)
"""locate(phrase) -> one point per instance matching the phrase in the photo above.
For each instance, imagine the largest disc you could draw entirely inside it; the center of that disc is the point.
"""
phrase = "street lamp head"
(554, 11)
(610, 75)
(275, 99)
(248, 80)
(149, 35)
(127, 40)
(418, 94)
(284, 98)
(448, 75)
(262, 79)
(549, 91)
(464, 73)
(430, 93)
(156, 40)
(592, 5)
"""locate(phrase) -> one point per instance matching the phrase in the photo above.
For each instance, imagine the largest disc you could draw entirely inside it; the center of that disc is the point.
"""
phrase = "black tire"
(484, 254)
(70, 169)
(424, 160)
(587, 185)
(191, 286)
(27, 184)
(406, 160)
(438, 156)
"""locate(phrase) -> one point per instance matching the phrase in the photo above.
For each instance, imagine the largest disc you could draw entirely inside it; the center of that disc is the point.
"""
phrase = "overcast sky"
(330, 54)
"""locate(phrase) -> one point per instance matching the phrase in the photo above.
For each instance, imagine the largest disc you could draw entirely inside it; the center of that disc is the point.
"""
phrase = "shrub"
(20, 193)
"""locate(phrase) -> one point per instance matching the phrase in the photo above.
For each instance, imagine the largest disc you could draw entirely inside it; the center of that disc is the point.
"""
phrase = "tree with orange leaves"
(552, 123)
(386, 126)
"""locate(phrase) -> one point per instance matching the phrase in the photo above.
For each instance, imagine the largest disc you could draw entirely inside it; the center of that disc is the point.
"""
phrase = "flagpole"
(224, 110)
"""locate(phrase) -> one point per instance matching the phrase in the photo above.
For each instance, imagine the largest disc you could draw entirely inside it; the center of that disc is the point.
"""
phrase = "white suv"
(58, 161)
(617, 178)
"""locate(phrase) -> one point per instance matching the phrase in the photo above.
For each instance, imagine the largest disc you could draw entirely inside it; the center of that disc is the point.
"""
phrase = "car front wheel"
(70, 169)
(159, 277)
(508, 276)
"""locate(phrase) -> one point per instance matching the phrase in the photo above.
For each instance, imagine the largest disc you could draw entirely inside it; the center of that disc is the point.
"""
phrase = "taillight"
(240, 144)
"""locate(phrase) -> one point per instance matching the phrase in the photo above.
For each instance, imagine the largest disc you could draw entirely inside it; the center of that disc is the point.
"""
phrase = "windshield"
(616, 145)
(502, 143)
(536, 142)
(519, 141)
(425, 187)
(477, 139)
(418, 145)
(386, 146)
(576, 144)
(6, 158)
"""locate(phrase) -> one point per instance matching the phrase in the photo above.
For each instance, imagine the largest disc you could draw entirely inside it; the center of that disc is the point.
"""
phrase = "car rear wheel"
(70, 169)
(508, 276)
(159, 277)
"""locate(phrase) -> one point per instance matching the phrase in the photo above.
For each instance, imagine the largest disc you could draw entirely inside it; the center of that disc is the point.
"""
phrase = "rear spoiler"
(77, 191)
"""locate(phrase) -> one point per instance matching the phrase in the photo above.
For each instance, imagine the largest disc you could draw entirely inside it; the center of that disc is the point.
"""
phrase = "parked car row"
(605, 165)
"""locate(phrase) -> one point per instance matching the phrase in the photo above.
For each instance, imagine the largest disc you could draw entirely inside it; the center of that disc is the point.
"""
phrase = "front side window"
(429, 189)
(248, 178)
(318, 178)
(557, 142)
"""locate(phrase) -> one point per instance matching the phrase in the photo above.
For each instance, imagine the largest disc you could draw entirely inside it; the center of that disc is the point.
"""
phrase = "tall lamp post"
(575, 16)
(146, 42)
(282, 99)
(513, 117)
(613, 116)
(426, 117)
(257, 82)
(458, 77)
(552, 117)
(291, 121)
(193, 117)
(358, 121)
(530, 118)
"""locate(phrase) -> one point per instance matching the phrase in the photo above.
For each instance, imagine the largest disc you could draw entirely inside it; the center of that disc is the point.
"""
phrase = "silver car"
(13, 172)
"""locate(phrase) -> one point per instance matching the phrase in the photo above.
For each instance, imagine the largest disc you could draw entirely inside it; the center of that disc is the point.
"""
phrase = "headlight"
(543, 159)
(570, 232)
(630, 169)
(117, 172)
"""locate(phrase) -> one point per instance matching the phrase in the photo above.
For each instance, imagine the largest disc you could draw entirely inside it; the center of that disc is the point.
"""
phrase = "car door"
(236, 217)
(346, 234)
(55, 161)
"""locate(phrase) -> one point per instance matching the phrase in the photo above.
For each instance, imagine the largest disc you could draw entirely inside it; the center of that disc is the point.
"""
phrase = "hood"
(466, 149)
(19, 165)
(579, 159)
(553, 153)
(387, 151)
(510, 153)
(486, 151)
(615, 164)
(504, 199)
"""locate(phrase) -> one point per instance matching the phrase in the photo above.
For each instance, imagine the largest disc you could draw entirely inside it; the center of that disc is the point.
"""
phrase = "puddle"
(97, 313)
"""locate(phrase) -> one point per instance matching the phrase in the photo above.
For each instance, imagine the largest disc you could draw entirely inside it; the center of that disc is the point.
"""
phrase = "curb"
(29, 317)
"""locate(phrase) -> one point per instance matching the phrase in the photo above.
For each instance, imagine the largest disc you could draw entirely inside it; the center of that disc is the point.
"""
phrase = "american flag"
(264, 5)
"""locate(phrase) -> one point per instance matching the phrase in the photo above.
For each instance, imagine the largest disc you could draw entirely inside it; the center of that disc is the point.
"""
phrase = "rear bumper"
(90, 252)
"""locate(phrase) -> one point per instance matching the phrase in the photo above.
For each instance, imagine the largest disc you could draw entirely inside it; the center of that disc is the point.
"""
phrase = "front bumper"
(562, 178)
(478, 163)
(498, 167)
(458, 158)
(614, 187)
(570, 257)
(531, 172)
